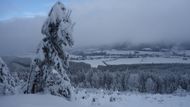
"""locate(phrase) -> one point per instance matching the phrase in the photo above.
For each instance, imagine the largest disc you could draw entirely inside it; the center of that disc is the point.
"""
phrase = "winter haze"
(98, 22)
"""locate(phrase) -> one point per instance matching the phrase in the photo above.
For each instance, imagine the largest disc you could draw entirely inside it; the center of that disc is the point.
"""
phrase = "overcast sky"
(98, 22)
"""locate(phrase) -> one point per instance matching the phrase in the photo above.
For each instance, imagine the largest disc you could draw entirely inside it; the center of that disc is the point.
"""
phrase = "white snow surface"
(148, 60)
(93, 63)
(98, 99)
(34, 101)
(116, 57)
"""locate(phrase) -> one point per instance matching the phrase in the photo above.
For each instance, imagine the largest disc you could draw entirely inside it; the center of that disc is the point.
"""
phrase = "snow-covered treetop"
(4, 67)
(57, 13)
(58, 26)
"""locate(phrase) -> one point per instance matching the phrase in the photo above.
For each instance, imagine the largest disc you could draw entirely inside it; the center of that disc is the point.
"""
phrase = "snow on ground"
(113, 51)
(87, 98)
(124, 52)
(132, 99)
(148, 60)
(34, 101)
(93, 63)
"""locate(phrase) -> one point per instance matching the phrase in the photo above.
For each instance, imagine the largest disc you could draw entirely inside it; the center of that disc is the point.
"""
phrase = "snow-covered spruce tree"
(7, 83)
(48, 69)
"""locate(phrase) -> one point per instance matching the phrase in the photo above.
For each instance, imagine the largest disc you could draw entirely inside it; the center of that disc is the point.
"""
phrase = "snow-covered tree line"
(155, 78)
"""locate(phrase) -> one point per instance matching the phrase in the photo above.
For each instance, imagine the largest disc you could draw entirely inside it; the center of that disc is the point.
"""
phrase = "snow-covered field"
(91, 98)
(116, 57)
(148, 60)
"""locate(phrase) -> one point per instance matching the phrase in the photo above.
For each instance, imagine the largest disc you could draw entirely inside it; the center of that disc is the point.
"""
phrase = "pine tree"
(48, 69)
(7, 83)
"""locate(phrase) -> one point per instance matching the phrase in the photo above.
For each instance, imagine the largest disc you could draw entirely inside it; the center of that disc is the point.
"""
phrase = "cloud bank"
(100, 22)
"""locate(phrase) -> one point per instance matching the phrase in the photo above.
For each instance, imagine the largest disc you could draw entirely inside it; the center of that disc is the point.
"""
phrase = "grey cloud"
(20, 36)
(101, 22)
(107, 21)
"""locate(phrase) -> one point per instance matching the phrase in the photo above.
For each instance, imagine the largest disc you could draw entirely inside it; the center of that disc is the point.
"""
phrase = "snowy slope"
(132, 99)
(34, 101)
(98, 99)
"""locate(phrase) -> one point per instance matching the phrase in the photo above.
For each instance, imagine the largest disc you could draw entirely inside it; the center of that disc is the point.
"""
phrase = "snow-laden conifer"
(49, 67)
(7, 82)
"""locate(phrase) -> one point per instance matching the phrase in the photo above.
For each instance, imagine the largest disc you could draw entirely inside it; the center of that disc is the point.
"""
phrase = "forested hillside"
(151, 78)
